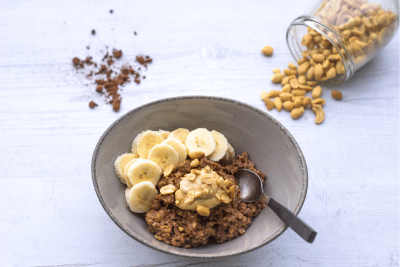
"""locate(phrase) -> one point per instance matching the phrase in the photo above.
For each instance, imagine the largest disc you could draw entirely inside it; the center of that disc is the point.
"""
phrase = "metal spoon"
(250, 185)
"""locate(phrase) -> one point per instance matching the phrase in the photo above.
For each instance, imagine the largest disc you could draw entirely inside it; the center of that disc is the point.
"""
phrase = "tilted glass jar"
(337, 37)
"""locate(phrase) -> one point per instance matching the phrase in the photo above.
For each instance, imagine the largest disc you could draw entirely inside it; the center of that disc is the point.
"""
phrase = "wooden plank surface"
(49, 212)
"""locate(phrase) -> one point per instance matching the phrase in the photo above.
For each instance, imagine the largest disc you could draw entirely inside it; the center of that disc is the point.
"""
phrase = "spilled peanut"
(320, 114)
(267, 50)
(297, 112)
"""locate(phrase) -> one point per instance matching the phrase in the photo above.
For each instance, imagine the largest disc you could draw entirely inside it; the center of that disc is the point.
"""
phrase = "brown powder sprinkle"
(109, 78)
(93, 32)
(92, 104)
(143, 60)
(111, 11)
(76, 61)
(117, 53)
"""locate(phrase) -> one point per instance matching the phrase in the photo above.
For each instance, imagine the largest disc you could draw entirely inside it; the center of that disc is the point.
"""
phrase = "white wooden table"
(49, 212)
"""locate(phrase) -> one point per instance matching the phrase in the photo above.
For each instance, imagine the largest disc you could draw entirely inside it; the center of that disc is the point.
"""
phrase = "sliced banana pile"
(156, 152)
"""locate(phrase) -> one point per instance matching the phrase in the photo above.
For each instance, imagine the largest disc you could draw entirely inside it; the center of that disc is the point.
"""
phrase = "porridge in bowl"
(182, 183)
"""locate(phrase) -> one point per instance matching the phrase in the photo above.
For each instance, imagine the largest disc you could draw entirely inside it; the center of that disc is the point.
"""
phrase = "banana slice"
(140, 196)
(143, 170)
(127, 190)
(164, 133)
(231, 153)
(164, 155)
(180, 134)
(126, 168)
(120, 164)
(134, 143)
(178, 146)
(200, 140)
(146, 142)
(221, 146)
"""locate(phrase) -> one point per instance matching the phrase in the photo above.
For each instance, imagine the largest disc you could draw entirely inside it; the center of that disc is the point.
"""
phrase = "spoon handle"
(291, 220)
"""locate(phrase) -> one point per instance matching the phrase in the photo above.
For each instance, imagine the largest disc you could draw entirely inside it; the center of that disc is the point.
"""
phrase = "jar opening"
(298, 29)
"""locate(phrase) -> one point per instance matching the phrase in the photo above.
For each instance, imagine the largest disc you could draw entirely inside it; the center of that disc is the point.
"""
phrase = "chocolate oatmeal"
(188, 229)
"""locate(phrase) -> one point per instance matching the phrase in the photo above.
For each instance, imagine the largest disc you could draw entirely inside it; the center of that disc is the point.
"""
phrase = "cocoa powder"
(117, 53)
(108, 77)
(92, 104)
(143, 60)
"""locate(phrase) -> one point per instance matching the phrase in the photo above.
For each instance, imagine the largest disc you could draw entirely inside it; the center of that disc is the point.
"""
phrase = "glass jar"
(337, 37)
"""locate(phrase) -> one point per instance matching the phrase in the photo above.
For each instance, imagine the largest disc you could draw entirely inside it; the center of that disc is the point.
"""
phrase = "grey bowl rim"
(279, 232)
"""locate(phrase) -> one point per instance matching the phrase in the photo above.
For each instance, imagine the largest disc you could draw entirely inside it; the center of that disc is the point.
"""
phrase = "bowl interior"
(271, 147)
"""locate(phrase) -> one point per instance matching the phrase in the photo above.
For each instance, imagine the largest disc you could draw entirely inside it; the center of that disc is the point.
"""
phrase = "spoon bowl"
(250, 184)
(251, 189)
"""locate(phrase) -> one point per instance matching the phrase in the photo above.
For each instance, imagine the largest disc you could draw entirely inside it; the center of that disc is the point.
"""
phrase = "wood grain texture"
(50, 214)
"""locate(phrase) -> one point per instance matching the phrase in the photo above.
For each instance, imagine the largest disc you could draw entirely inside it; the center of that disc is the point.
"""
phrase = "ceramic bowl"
(270, 146)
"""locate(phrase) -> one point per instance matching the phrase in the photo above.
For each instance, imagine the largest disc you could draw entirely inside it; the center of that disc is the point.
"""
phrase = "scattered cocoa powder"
(117, 53)
(134, 33)
(92, 104)
(93, 32)
(76, 61)
(109, 78)
(111, 11)
(143, 60)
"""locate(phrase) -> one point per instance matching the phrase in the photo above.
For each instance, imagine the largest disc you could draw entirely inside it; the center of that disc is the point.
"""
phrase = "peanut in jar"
(337, 37)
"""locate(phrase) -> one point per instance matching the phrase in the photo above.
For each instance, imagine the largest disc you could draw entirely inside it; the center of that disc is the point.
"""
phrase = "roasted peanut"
(318, 58)
(285, 80)
(297, 102)
(268, 102)
(320, 114)
(288, 105)
(305, 54)
(285, 96)
(312, 83)
(310, 73)
(267, 50)
(306, 102)
(305, 87)
(301, 61)
(302, 69)
(336, 95)
(294, 83)
(317, 92)
(168, 189)
(292, 66)
(273, 93)
(194, 163)
(326, 63)
(286, 88)
(277, 78)
(331, 73)
(278, 103)
(306, 39)
(298, 92)
(276, 70)
(202, 210)
(289, 72)
(263, 95)
(297, 112)
(340, 67)
(168, 170)
(302, 79)
(318, 101)
(318, 71)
